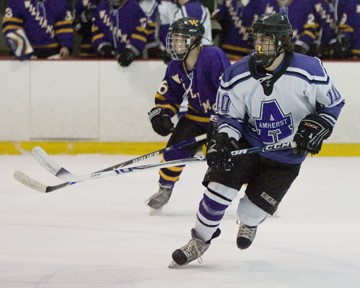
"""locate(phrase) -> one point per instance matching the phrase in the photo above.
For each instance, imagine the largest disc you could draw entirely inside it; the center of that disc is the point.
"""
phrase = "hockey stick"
(36, 185)
(31, 183)
(59, 171)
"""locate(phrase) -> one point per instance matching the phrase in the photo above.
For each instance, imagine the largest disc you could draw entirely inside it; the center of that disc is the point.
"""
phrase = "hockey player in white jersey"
(273, 95)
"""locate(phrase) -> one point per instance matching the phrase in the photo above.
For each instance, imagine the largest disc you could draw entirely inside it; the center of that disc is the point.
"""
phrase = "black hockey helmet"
(184, 35)
(276, 25)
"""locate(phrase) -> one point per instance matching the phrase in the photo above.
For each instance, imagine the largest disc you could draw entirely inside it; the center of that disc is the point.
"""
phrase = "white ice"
(99, 234)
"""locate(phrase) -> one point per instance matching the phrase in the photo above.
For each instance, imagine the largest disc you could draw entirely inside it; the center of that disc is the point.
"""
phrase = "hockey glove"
(218, 154)
(128, 55)
(106, 51)
(312, 131)
(161, 121)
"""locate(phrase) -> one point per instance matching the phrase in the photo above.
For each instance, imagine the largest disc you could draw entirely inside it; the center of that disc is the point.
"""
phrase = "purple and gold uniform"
(126, 25)
(47, 24)
(349, 24)
(234, 37)
(199, 86)
(309, 19)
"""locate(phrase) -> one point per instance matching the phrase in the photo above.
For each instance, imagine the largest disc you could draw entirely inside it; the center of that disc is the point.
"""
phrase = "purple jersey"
(120, 27)
(235, 36)
(308, 18)
(349, 24)
(47, 24)
(151, 11)
(199, 85)
(83, 25)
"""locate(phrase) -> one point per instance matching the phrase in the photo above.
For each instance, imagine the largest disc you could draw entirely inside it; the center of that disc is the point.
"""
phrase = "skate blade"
(173, 264)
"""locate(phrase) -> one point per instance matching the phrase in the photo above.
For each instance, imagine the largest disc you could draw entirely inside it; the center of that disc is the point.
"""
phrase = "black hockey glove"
(126, 57)
(161, 121)
(312, 131)
(106, 51)
(218, 154)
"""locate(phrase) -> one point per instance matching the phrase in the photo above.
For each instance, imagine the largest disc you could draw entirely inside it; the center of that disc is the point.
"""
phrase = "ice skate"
(245, 236)
(159, 199)
(194, 249)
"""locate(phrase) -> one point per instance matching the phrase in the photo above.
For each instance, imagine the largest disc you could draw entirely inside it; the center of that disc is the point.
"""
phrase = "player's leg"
(263, 196)
(221, 188)
(185, 129)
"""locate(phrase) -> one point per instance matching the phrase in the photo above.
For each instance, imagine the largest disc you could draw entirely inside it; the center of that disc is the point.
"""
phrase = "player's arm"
(64, 32)
(317, 127)
(103, 47)
(229, 124)
(138, 40)
(168, 99)
(13, 29)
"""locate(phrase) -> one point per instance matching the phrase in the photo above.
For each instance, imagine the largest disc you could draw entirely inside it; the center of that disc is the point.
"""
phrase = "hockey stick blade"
(36, 185)
(62, 173)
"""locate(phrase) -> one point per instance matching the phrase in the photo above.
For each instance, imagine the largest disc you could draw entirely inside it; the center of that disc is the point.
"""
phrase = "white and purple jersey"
(267, 108)
(170, 12)
(199, 85)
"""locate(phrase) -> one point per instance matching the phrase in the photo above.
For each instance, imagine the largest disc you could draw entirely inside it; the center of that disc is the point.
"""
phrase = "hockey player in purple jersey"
(349, 29)
(119, 30)
(233, 36)
(312, 21)
(38, 28)
(195, 74)
(272, 96)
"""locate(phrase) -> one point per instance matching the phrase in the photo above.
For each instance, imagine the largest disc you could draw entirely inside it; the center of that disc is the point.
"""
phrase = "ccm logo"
(268, 199)
(277, 146)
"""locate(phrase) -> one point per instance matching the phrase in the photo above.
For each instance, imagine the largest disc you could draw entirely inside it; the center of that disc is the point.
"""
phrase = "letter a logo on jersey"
(273, 125)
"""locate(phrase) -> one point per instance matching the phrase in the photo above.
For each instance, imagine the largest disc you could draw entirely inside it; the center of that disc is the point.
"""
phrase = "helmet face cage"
(269, 33)
(178, 45)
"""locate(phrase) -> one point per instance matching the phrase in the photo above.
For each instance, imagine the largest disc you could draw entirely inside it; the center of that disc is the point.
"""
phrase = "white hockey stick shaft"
(38, 186)
(31, 183)
(62, 173)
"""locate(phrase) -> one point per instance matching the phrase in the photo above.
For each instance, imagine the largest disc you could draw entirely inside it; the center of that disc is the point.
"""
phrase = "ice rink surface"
(99, 234)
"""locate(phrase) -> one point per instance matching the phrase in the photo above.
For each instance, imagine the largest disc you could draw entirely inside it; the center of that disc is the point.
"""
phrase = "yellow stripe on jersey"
(197, 118)
(11, 27)
(66, 30)
(139, 37)
(13, 19)
(98, 36)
